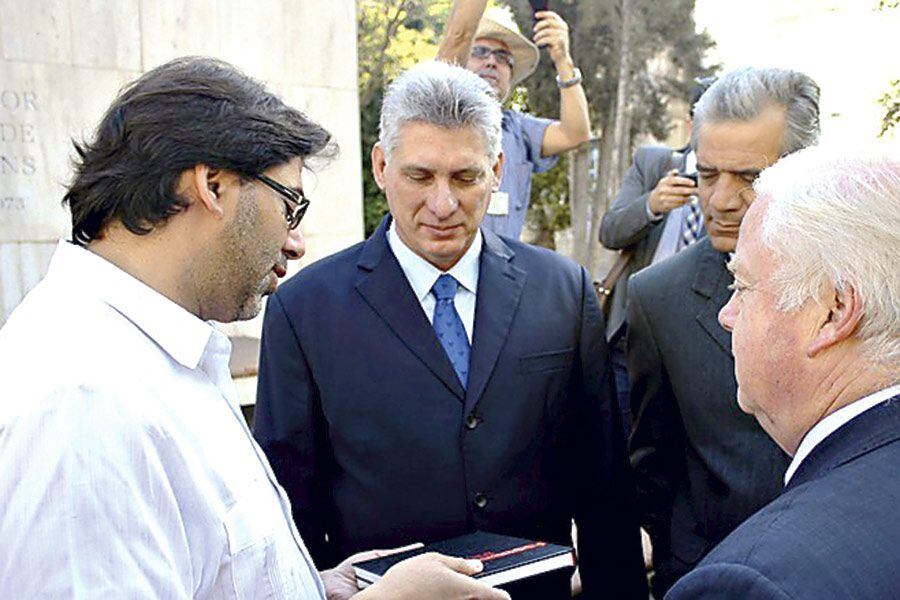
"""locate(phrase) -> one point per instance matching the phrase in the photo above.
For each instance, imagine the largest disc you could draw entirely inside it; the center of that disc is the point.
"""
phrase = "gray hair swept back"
(833, 220)
(444, 95)
(743, 94)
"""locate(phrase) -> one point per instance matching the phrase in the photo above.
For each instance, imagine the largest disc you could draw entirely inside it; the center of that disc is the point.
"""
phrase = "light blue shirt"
(522, 138)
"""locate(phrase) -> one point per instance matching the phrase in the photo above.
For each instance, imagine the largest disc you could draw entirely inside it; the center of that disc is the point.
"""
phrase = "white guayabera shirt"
(126, 468)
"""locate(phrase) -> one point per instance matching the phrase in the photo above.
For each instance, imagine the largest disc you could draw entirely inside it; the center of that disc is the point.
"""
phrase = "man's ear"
(205, 187)
(841, 321)
(379, 164)
(498, 172)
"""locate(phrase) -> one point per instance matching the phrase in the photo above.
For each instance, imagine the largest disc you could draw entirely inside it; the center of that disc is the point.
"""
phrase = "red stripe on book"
(485, 556)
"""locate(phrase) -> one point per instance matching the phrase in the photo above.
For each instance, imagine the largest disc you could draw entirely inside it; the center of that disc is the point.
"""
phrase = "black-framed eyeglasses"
(501, 54)
(295, 203)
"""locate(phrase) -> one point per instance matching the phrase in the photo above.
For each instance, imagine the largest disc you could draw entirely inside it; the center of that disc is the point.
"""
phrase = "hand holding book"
(432, 576)
(425, 576)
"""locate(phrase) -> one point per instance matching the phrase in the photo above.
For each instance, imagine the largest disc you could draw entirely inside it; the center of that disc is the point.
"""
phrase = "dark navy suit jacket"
(833, 533)
(701, 465)
(378, 444)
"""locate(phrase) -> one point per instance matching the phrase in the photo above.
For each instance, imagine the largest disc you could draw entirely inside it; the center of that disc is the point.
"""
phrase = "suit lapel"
(712, 283)
(500, 285)
(384, 287)
(872, 429)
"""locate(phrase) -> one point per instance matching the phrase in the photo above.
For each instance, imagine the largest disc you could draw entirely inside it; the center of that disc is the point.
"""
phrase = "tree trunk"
(614, 144)
(582, 194)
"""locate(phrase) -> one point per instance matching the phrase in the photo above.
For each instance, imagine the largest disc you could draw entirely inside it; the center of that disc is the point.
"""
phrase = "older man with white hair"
(815, 323)
(701, 465)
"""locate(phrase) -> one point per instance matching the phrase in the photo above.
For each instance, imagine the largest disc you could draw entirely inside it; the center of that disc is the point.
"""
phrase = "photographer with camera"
(655, 214)
(503, 57)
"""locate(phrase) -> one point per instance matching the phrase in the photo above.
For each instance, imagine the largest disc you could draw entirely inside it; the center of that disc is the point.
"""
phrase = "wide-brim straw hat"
(498, 24)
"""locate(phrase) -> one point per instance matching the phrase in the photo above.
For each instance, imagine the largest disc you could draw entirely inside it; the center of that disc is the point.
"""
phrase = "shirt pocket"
(546, 362)
(251, 547)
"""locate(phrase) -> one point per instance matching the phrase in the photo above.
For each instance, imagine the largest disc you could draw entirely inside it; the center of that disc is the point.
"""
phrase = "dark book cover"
(505, 558)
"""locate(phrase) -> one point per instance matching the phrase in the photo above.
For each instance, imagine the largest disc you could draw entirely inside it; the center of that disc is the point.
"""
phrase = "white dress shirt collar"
(835, 421)
(179, 333)
(421, 274)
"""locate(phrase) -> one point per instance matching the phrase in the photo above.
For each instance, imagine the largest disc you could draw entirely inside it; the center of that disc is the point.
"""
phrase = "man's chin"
(250, 308)
(723, 243)
(499, 93)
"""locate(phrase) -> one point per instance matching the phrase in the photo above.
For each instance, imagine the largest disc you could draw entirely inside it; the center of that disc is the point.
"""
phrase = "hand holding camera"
(672, 191)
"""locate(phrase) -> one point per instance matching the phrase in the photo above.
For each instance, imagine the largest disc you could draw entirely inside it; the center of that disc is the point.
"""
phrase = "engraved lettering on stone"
(18, 138)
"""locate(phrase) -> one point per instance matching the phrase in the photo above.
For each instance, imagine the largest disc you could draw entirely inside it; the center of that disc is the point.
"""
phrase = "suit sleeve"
(724, 581)
(289, 427)
(657, 438)
(627, 222)
(609, 547)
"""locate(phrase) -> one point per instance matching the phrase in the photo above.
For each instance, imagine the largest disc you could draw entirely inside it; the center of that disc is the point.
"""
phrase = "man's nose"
(728, 194)
(727, 314)
(294, 246)
(442, 201)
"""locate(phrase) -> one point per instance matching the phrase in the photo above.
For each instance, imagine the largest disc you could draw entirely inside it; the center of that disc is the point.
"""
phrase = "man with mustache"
(503, 57)
(126, 467)
(438, 379)
(815, 324)
(701, 465)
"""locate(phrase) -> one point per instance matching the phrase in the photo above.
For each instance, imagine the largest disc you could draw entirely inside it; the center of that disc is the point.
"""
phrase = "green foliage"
(550, 210)
(392, 35)
(891, 99)
(374, 203)
(891, 103)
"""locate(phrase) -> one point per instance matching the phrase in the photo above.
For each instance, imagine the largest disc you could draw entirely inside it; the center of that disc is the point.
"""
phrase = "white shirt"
(833, 422)
(126, 468)
(421, 276)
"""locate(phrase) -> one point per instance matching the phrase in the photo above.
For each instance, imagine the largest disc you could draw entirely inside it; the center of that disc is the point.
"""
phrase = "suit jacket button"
(472, 421)
(480, 500)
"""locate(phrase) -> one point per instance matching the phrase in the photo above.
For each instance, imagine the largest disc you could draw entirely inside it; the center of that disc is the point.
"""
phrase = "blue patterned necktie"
(693, 223)
(449, 327)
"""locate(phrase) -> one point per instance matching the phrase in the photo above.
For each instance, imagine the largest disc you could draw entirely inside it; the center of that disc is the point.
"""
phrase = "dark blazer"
(833, 533)
(377, 444)
(701, 465)
(626, 225)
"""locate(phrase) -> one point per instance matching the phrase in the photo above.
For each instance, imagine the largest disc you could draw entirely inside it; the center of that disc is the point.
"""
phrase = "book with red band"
(505, 558)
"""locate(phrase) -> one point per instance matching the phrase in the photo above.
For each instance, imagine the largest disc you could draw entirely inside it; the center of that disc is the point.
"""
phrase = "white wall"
(63, 61)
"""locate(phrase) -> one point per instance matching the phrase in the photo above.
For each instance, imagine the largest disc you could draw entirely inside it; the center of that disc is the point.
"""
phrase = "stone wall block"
(36, 31)
(106, 33)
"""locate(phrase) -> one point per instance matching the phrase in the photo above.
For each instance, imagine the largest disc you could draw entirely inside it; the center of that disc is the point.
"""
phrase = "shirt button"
(472, 421)
(480, 500)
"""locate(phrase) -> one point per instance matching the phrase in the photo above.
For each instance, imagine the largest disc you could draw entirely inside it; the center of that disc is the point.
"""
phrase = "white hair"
(834, 219)
(440, 94)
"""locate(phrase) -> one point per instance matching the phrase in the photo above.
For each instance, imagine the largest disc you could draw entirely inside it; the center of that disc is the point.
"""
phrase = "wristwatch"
(576, 79)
